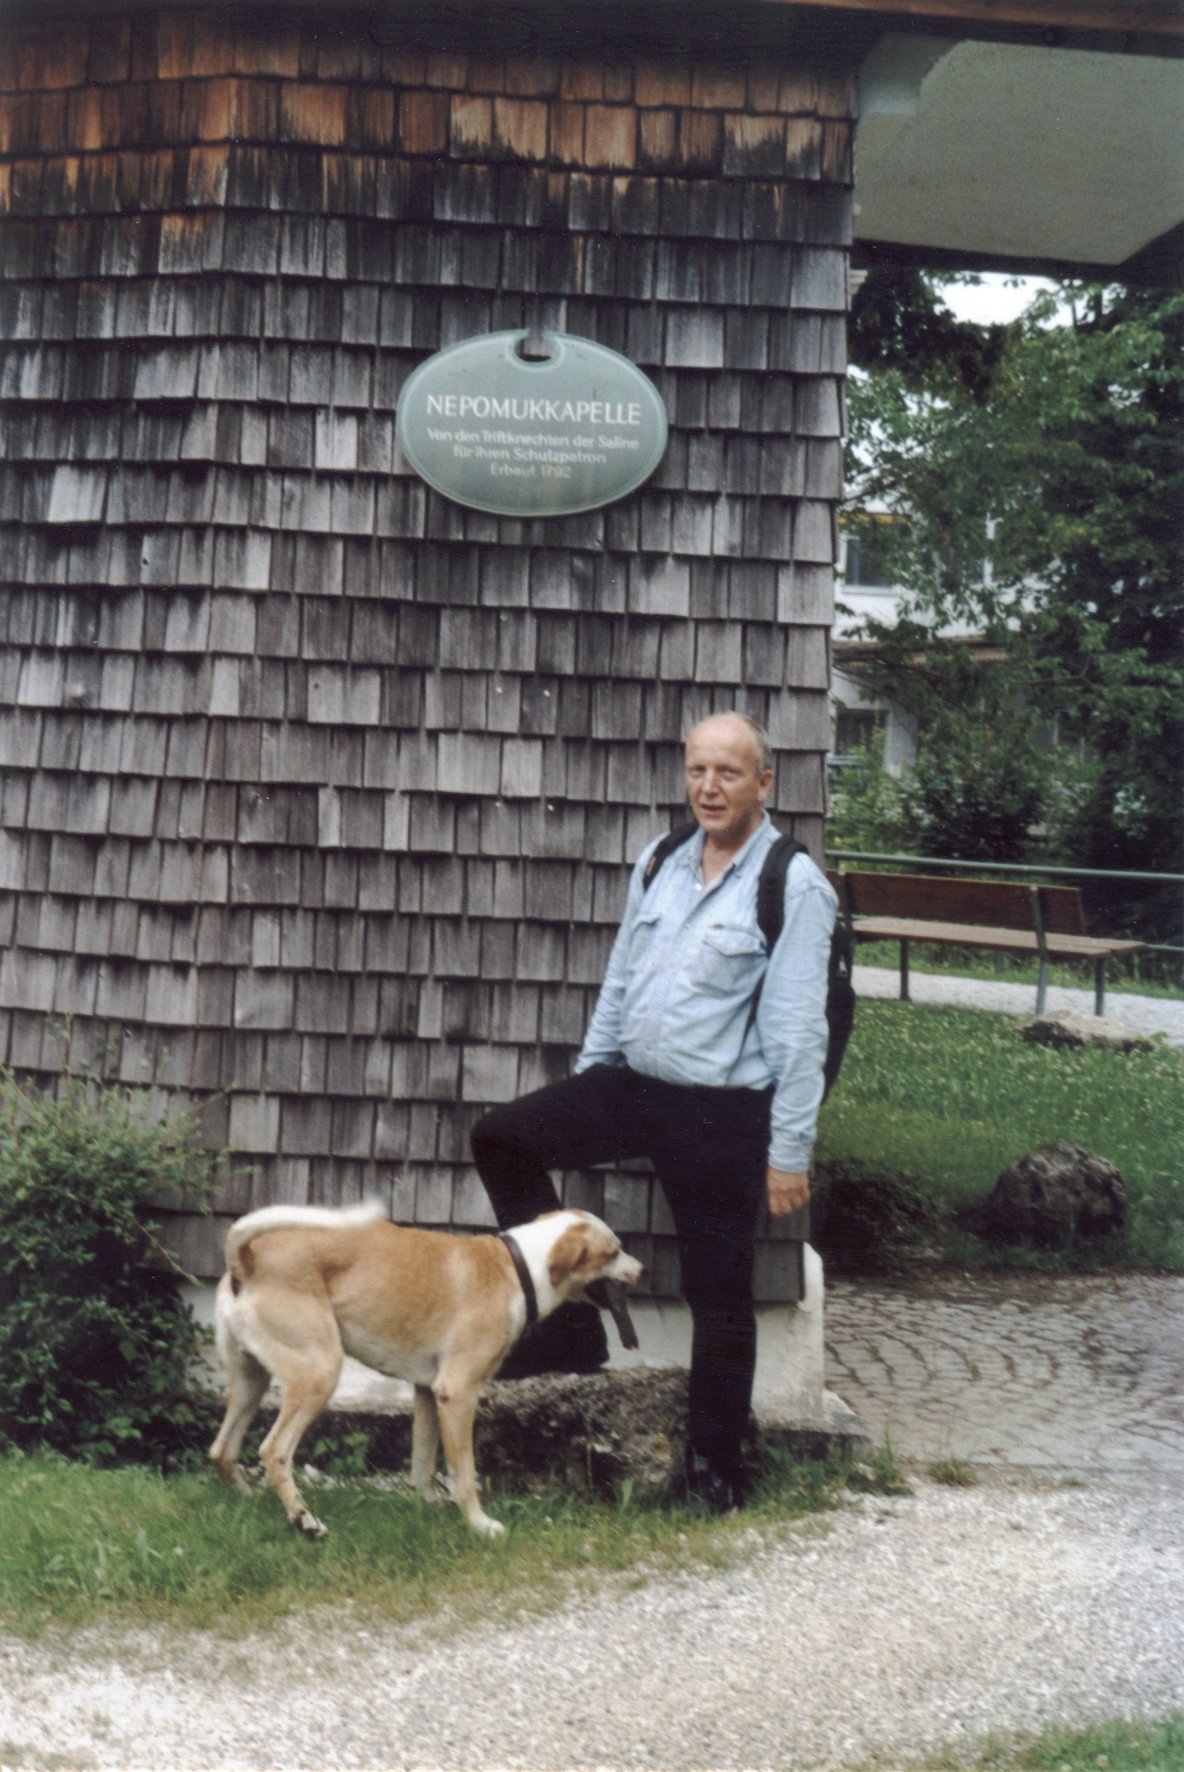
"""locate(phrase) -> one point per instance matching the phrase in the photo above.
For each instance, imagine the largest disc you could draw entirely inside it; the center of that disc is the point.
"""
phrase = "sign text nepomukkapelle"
(527, 409)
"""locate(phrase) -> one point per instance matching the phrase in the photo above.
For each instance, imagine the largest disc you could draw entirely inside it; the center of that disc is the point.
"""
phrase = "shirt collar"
(690, 856)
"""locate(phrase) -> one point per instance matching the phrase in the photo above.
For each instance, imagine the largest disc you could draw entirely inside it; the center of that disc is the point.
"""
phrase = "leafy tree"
(866, 804)
(1045, 519)
(898, 321)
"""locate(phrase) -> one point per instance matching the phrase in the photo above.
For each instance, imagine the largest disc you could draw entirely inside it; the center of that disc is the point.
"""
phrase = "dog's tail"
(282, 1218)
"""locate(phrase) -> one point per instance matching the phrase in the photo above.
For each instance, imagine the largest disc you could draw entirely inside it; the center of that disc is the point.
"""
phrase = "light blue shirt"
(681, 977)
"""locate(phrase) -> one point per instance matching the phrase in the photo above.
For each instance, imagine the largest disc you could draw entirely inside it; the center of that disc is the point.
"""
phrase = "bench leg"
(1041, 948)
(904, 973)
(1099, 986)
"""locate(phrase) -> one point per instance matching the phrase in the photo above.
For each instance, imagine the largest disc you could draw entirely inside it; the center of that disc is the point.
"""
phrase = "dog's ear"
(578, 1251)
(567, 1254)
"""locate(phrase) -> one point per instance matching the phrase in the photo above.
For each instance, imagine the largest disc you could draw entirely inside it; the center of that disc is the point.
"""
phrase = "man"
(675, 1067)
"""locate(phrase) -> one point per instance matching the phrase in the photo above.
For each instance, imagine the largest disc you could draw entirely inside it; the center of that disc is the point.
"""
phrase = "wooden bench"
(1047, 921)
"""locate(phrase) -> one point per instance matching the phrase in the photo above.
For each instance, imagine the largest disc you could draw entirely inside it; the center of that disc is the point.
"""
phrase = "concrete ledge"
(837, 1428)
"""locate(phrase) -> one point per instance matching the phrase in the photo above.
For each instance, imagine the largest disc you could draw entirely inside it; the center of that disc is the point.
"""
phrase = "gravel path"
(1143, 1015)
(891, 1629)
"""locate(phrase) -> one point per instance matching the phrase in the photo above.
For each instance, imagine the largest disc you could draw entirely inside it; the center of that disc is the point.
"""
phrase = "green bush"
(867, 812)
(96, 1340)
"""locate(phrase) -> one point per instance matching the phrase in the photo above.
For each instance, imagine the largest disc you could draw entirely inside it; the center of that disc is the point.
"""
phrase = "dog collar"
(523, 1272)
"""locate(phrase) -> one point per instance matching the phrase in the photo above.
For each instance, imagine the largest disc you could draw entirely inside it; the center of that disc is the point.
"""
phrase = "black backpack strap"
(840, 992)
(770, 891)
(673, 840)
(770, 901)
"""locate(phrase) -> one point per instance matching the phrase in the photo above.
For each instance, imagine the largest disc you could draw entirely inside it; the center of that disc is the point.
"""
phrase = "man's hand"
(787, 1191)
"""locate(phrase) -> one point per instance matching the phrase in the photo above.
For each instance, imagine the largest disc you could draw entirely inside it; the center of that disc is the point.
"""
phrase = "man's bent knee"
(513, 1174)
(492, 1133)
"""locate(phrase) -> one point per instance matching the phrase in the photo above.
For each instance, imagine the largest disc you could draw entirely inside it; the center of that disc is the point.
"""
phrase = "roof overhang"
(986, 154)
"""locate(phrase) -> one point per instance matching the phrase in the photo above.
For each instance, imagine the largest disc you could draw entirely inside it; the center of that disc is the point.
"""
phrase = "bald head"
(739, 729)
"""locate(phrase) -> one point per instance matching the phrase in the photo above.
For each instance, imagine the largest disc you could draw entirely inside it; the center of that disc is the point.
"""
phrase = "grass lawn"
(129, 1546)
(1113, 1747)
(949, 1097)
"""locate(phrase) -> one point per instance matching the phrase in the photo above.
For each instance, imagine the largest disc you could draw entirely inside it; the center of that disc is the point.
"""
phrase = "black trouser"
(709, 1149)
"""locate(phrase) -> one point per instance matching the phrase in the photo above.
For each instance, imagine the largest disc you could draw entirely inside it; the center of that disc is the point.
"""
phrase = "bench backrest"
(997, 904)
(993, 904)
(1061, 910)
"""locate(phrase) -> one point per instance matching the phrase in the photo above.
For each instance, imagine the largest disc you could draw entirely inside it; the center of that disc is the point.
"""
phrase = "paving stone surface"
(1073, 1373)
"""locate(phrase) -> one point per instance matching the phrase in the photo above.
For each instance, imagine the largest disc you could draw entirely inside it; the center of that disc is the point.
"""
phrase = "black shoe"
(709, 1489)
(571, 1340)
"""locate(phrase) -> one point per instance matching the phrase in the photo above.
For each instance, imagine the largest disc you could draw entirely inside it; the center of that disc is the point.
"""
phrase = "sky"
(999, 298)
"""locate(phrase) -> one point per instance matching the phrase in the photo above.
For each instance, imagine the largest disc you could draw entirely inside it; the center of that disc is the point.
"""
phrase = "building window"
(855, 730)
(865, 562)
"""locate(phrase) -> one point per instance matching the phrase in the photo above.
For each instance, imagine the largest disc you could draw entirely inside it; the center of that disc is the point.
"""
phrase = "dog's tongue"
(609, 1295)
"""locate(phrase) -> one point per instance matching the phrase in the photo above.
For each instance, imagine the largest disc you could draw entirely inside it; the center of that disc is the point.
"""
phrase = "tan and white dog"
(305, 1285)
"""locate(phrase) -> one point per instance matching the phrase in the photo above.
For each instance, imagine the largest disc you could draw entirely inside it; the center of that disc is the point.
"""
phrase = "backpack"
(770, 911)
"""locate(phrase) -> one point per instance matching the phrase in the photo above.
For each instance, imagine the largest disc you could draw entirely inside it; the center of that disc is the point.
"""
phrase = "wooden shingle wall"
(318, 790)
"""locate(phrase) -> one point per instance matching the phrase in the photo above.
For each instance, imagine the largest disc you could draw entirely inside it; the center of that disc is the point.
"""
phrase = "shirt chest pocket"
(732, 962)
(645, 927)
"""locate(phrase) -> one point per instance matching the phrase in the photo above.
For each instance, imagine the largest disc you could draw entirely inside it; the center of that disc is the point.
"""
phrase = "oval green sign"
(531, 436)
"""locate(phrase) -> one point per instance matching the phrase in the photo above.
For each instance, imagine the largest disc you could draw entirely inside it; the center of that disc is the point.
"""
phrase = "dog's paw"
(310, 1525)
(488, 1528)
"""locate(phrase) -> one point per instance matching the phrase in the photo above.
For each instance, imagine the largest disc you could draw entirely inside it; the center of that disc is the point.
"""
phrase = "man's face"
(725, 784)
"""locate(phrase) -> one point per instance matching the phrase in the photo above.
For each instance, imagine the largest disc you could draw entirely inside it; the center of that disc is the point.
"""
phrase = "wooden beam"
(1140, 18)
(1158, 265)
